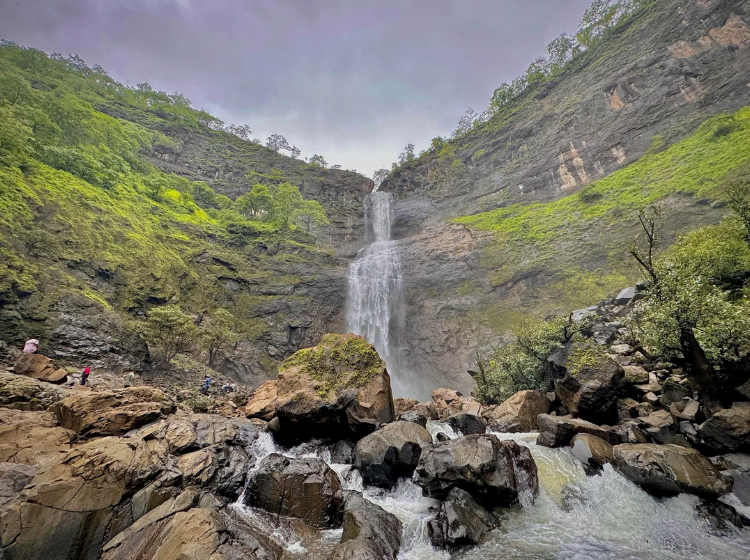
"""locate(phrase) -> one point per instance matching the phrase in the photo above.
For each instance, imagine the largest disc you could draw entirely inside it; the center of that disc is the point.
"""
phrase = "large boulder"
(670, 469)
(518, 413)
(39, 367)
(415, 417)
(262, 404)
(26, 393)
(673, 390)
(32, 438)
(370, 532)
(391, 453)
(494, 472)
(466, 424)
(339, 389)
(172, 531)
(112, 412)
(461, 521)
(728, 429)
(556, 431)
(590, 383)
(401, 405)
(660, 427)
(13, 478)
(307, 489)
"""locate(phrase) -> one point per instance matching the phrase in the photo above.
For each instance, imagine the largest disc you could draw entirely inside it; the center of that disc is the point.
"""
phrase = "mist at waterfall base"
(575, 517)
(375, 306)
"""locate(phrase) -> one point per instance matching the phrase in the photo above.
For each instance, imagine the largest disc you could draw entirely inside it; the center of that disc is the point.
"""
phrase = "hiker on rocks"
(206, 386)
(85, 376)
(31, 346)
(129, 379)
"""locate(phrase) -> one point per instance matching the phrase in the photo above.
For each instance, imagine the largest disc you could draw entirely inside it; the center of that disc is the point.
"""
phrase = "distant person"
(129, 379)
(206, 385)
(31, 346)
(85, 376)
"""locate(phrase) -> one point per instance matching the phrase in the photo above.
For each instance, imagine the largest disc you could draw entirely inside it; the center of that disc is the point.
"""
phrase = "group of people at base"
(225, 388)
(32, 347)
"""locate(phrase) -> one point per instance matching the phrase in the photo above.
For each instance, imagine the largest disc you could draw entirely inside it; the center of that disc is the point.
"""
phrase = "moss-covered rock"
(339, 388)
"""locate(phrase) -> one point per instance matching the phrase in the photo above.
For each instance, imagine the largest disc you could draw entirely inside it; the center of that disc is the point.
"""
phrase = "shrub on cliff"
(170, 331)
(521, 364)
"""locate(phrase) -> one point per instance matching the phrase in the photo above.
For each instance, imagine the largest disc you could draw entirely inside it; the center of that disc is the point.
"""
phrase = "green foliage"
(256, 203)
(218, 334)
(311, 213)
(521, 364)
(170, 331)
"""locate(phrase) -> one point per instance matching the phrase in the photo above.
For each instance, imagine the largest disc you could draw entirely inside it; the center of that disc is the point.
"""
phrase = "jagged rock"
(631, 431)
(170, 533)
(592, 451)
(644, 409)
(112, 412)
(661, 428)
(448, 402)
(723, 520)
(400, 405)
(466, 424)
(26, 393)
(556, 431)
(605, 335)
(670, 469)
(343, 452)
(13, 478)
(339, 389)
(624, 297)
(461, 521)
(635, 375)
(303, 488)
(628, 408)
(622, 349)
(494, 472)
(687, 409)
(651, 398)
(728, 429)
(428, 409)
(391, 453)
(370, 532)
(590, 383)
(262, 403)
(518, 413)
(32, 438)
(39, 367)
(415, 417)
(672, 392)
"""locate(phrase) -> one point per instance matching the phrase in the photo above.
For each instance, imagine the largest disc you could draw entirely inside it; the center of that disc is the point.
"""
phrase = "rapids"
(575, 517)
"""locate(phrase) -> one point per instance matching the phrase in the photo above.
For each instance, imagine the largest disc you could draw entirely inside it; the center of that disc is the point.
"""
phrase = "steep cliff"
(533, 212)
(111, 203)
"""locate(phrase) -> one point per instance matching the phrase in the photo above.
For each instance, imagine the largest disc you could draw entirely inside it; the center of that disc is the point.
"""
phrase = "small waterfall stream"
(575, 517)
(375, 289)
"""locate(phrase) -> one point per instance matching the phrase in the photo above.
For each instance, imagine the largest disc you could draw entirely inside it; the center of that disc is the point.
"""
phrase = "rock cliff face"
(645, 87)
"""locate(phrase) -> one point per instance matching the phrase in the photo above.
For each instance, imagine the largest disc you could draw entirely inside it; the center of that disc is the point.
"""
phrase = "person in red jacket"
(85, 376)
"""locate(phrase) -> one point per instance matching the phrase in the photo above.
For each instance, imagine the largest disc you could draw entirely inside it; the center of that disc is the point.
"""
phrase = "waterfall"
(374, 302)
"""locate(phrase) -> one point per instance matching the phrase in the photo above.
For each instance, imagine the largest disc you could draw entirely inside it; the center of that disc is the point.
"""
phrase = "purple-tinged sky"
(353, 80)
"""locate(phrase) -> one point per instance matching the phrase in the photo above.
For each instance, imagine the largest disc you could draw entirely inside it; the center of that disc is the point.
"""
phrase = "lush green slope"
(596, 220)
(93, 234)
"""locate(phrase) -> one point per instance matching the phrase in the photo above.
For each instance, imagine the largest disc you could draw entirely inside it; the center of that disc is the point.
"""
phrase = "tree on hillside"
(169, 331)
(294, 152)
(311, 212)
(738, 192)
(537, 72)
(379, 176)
(277, 142)
(694, 312)
(317, 161)
(240, 131)
(465, 123)
(560, 51)
(256, 203)
(218, 334)
(287, 203)
(597, 18)
(407, 154)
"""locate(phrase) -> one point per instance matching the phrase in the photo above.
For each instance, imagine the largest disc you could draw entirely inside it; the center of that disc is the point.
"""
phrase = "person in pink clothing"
(85, 376)
(31, 346)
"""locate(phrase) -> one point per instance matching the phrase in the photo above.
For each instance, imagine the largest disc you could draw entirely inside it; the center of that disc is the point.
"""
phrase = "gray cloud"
(354, 80)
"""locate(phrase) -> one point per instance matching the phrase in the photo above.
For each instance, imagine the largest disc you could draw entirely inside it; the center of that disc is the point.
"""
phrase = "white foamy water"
(575, 517)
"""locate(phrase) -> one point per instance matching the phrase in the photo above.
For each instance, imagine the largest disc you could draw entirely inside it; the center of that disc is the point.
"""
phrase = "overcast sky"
(353, 80)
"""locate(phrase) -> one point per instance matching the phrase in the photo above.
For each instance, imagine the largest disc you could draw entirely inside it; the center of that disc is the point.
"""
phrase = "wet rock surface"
(390, 453)
(670, 469)
(556, 431)
(461, 521)
(370, 532)
(494, 472)
(467, 424)
(304, 488)
(519, 413)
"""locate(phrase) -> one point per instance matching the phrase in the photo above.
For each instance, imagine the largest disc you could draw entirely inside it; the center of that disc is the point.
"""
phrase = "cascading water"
(575, 517)
(375, 290)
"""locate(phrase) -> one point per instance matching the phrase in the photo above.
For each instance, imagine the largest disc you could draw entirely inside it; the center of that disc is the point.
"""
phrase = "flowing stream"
(575, 517)
(375, 290)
